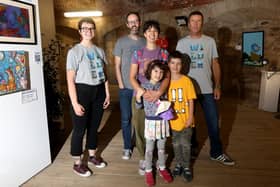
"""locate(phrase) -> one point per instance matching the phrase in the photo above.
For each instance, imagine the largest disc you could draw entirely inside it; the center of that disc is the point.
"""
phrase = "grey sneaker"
(141, 169)
(82, 170)
(126, 154)
(223, 159)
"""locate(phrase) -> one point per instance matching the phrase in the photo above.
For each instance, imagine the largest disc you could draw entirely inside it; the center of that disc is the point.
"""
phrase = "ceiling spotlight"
(83, 14)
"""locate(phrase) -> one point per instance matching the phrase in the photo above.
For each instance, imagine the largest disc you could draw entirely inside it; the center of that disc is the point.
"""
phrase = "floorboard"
(251, 137)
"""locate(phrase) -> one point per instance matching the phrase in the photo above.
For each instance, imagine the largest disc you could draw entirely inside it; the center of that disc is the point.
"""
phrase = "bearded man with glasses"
(123, 51)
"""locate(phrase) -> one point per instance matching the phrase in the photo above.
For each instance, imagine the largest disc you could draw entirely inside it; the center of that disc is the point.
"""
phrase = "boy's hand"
(189, 122)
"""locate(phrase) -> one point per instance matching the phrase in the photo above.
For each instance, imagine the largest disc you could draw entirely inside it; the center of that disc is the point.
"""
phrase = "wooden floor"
(251, 137)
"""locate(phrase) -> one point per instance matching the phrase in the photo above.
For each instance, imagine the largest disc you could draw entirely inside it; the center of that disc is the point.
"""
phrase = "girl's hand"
(106, 102)
(79, 109)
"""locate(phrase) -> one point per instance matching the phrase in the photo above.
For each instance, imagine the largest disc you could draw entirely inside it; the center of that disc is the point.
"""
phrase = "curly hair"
(152, 65)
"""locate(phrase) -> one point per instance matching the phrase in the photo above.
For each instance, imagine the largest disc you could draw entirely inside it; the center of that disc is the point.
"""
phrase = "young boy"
(181, 93)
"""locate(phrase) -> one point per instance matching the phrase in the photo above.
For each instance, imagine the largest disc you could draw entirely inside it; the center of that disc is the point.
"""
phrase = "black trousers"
(92, 99)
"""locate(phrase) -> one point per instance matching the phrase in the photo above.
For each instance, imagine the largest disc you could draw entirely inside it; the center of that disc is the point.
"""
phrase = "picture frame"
(253, 48)
(14, 71)
(181, 20)
(17, 22)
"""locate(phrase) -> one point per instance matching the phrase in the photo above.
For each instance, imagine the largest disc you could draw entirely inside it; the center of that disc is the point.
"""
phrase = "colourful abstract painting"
(14, 71)
(16, 22)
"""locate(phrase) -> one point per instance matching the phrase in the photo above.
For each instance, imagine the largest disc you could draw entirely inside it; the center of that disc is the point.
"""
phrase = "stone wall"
(225, 20)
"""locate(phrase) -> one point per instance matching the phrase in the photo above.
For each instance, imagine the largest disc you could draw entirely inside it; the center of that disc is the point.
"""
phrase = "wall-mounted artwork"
(253, 48)
(17, 22)
(14, 71)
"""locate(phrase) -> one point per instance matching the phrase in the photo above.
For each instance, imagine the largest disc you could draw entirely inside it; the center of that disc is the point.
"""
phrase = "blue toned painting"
(253, 48)
(14, 21)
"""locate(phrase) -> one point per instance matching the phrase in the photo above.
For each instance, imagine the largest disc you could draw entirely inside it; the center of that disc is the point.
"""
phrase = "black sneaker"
(223, 159)
(82, 170)
(187, 174)
(177, 171)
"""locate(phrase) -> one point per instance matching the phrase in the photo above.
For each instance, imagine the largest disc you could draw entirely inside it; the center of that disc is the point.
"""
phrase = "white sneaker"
(141, 169)
(126, 154)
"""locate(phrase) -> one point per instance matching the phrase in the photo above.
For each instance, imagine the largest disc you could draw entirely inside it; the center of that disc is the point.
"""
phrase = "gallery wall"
(24, 138)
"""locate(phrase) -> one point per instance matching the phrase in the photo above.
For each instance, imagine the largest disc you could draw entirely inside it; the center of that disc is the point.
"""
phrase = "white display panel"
(24, 137)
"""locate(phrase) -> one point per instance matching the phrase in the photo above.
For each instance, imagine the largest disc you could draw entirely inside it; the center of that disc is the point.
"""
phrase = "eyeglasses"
(133, 22)
(87, 29)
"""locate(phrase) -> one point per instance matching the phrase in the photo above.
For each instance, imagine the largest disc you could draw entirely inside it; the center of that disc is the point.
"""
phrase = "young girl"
(156, 128)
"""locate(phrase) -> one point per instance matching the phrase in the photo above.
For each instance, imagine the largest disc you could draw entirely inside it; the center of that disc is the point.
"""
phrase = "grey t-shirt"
(88, 63)
(124, 49)
(201, 51)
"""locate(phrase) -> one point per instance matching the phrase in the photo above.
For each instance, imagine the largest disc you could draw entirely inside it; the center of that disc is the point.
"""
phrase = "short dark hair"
(174, 54)
(196, 12)
(86, 20)
(185, 60)
(134, 13)
(152, 65)
(151, 23)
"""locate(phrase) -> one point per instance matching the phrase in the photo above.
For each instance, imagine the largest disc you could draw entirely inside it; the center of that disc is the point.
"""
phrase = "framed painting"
(17, 22)
(253, 48)
(14, 71)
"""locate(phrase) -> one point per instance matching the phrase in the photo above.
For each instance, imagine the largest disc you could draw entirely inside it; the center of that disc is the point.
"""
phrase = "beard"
(134, 30)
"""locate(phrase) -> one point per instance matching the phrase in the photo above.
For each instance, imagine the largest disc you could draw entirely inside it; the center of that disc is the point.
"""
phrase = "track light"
(95, 13)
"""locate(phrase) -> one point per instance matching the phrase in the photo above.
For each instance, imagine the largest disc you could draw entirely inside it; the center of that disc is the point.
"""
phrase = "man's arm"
(217, 78)
(118, 71)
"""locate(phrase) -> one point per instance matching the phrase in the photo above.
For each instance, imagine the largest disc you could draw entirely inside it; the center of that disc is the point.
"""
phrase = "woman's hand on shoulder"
(152, 95)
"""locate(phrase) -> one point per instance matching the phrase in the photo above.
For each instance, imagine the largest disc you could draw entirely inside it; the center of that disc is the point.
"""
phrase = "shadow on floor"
(57, 138)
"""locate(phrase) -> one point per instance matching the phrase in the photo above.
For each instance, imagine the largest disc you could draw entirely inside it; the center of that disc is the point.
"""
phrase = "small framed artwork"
(14, 71)
(181, 20)
(17, 22)
(253, 48)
